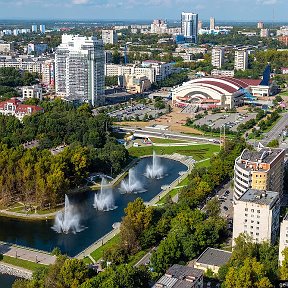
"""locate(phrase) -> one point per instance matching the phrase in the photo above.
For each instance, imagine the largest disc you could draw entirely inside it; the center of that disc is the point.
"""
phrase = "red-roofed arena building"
(15, 108)
(211, 92)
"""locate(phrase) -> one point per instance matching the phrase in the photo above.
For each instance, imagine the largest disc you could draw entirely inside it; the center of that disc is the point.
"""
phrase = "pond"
(39, 235)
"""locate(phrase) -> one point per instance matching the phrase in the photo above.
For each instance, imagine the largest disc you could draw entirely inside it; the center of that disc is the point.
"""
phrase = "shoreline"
(83, 189)
(8, 269)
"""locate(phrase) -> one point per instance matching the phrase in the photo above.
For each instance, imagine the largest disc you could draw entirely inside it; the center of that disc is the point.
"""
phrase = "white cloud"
(80, 2)
(267, 2)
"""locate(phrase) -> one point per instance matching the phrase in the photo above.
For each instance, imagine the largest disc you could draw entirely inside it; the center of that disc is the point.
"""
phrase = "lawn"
(273, 124)
(98, 253)
(172, 193)
(21, 263)
(87, 261)
(165, 141)
(199, 152)
(205, 163)
(133, 259)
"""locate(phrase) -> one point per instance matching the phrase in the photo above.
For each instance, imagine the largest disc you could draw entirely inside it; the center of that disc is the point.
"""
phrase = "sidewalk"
(28, 254)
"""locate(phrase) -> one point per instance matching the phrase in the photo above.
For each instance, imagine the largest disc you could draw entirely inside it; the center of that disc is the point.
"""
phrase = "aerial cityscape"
(143, 144)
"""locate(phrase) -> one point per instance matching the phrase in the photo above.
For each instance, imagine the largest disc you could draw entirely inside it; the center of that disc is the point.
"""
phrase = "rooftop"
(179, 276)
(265, 155)
(215, 257)
(259, 197)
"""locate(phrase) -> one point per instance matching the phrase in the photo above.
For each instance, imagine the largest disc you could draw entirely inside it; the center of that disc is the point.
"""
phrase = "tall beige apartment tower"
(212, 23)
(261, 170)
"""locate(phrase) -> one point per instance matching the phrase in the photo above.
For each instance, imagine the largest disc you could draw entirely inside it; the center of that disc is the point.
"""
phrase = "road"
(276, 131)
(145, 260)
(146, 132)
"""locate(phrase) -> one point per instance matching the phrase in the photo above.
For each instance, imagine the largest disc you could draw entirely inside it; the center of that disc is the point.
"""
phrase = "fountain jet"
(155, 170)
(104, 201)
(68, 220)
(131, 185)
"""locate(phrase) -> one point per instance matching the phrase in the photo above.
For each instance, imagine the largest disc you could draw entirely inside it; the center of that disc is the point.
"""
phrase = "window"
(252, 215)
(258, 211)
(258, 216)
(252, 210)
(257, 233)
(245, 220)
(251, 227)
(246, 214)
(246, 209)
(245, 226)
(257, 228)
(258, 222)
(252, 221)
(251, 233)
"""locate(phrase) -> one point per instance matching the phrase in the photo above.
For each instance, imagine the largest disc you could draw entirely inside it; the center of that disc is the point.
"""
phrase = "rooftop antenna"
(273, 18)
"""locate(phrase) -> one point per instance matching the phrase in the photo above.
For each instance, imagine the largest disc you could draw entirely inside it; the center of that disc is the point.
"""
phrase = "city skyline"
(129, 10)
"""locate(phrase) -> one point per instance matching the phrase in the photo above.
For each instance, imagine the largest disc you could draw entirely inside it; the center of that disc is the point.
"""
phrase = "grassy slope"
(199, 152)
(98, 253)
(21, 263)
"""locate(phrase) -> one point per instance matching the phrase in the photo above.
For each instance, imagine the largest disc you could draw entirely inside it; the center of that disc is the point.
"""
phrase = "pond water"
(6, 281)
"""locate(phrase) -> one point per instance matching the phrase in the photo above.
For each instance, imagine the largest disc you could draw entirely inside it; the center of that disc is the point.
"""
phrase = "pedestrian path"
(37, 256)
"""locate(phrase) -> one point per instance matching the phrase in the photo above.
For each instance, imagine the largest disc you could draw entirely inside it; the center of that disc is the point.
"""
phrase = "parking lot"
(231, 120)
(131, 112)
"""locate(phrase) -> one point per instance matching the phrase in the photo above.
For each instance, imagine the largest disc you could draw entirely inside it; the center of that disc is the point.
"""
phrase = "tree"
(273, 143)
(120, 276)
(213, 208)
(250, 274)
(169, 252)
(284, 265)
(138, 218)
(73, 273)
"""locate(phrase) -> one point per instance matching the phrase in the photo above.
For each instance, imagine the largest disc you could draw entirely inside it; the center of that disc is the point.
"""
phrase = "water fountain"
(131, 185)
(155, 170)
(104, 201)
(68, 220)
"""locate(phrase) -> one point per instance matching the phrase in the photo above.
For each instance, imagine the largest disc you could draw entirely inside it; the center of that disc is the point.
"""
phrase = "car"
(225, 208)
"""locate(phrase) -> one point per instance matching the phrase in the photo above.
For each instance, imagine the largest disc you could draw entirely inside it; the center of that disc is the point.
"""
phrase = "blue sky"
(251, 10)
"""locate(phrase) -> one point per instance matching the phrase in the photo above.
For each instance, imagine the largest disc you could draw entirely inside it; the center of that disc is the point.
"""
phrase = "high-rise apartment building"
(260, 25)
(241, 59)
(217, 59)
(159, 27)
(264, 33)
(189, 26)
(283, 241)
(79, 69)
(212, 23)
(48, 73)
(109, 37)
(42, 28)
(261, 170)
(34, 28)
(200, 25)
(256, 213)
